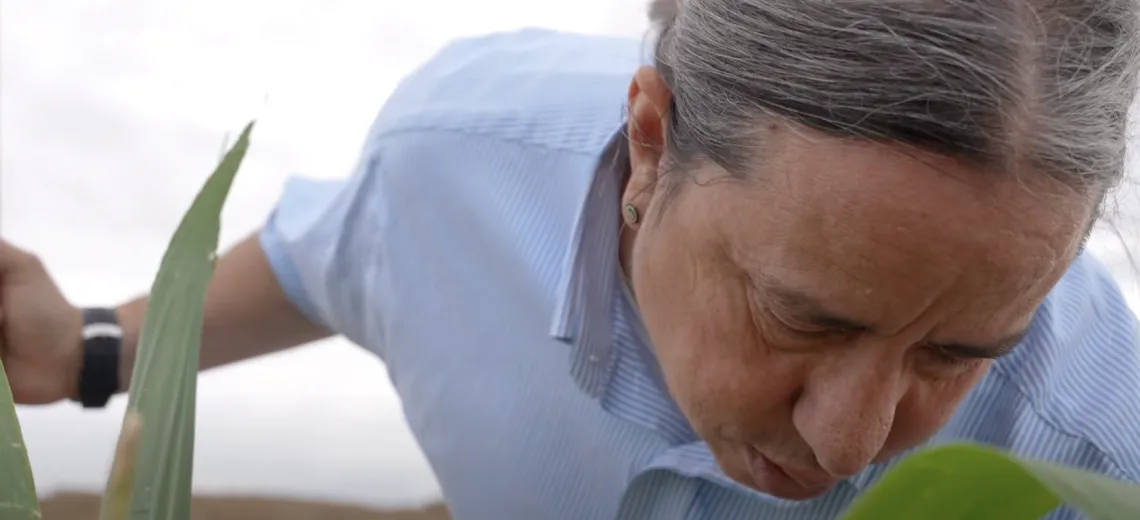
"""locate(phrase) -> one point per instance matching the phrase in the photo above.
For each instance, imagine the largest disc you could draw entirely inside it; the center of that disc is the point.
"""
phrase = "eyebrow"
(810, 309)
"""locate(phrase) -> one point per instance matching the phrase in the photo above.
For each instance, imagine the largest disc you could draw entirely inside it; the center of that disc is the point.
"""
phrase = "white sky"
(111, 116)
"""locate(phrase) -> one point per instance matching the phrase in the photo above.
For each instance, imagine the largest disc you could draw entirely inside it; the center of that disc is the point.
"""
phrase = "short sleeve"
(320, 245)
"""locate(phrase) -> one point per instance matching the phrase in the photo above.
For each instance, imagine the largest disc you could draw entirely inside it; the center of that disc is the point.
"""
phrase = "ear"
(649, 99)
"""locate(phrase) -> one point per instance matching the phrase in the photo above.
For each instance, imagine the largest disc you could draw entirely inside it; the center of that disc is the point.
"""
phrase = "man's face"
(834, 311)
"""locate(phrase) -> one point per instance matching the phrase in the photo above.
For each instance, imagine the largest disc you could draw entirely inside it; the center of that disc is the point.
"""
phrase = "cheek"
(695, 311)
(927, 407)
(684, 316)
(667, 280)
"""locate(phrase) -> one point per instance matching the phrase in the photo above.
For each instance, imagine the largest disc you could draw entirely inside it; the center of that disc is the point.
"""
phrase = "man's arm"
(246, 314)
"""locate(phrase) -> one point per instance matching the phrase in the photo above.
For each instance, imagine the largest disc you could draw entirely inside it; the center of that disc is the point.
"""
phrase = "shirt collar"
(584, 315)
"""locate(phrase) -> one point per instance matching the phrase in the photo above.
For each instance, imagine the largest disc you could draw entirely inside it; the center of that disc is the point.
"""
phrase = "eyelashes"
(942, 357)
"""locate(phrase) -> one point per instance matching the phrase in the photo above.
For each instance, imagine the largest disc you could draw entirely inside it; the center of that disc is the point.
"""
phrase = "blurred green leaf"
(969, 482)
(159, 463)
(1099, 497)
(117, 498)
(18, 499)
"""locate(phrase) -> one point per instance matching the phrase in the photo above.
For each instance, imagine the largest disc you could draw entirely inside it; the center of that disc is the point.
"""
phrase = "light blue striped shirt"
(474, 250)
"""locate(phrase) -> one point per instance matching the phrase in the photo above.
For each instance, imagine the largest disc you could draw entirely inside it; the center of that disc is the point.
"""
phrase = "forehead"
(850, 218)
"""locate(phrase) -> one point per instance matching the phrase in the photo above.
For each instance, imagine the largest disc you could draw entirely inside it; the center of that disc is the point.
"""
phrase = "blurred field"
(83, 506)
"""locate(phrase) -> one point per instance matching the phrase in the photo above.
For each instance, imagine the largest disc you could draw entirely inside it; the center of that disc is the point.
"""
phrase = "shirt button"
(592, 358)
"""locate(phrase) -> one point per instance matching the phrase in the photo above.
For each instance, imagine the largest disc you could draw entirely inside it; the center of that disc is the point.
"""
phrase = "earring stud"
(632, 216)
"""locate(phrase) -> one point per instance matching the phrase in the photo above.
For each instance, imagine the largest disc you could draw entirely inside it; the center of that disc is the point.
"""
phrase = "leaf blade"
(971, 482)
(164, 378)
(18, 499)
(1099, 497)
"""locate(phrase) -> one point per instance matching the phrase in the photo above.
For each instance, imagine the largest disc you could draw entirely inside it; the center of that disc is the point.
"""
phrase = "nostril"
(845, 467)
(847, 417)
(797, 394)
(846, 459)
(845, 452)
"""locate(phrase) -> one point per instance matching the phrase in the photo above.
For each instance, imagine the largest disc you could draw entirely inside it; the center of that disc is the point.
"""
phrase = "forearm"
(246, 314)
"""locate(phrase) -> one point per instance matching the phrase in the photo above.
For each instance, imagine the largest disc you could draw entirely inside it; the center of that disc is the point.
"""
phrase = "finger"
(12, 257)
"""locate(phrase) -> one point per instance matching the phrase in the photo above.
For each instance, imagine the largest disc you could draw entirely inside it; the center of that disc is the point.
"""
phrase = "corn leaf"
(117, 498)
(18, 499)
(156, 446)
(968, 482)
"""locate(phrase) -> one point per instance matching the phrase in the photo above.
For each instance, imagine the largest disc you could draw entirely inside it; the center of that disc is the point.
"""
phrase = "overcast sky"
(111, 116)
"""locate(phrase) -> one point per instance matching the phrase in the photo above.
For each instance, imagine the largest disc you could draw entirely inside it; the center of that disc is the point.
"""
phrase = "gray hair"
(1047, 83)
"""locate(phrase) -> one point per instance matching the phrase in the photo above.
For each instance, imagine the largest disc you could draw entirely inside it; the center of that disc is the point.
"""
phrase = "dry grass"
(84, 506)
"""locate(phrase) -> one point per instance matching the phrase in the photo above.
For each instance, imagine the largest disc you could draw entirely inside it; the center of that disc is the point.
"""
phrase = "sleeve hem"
(285, 270)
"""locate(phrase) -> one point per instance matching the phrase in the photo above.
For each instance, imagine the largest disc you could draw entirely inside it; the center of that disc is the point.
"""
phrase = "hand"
(40, 331)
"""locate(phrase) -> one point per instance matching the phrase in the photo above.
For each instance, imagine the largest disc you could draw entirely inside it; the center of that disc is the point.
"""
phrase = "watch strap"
(102, 345)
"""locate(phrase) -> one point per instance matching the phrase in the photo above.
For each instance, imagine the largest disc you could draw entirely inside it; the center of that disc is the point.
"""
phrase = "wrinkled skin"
(833, 308)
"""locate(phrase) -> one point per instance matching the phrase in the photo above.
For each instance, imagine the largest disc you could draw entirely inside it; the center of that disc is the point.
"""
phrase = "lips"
(785, 481)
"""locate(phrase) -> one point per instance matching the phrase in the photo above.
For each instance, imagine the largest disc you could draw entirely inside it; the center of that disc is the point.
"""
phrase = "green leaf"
(1099, 497)
(18, 499)
(156, 447)
(970, 482)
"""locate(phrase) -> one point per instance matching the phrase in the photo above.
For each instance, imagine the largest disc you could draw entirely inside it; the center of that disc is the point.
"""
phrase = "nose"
(846, 410)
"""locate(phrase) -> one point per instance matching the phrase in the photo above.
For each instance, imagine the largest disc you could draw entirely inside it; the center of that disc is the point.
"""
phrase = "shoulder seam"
(477, 132)
(1052, 423)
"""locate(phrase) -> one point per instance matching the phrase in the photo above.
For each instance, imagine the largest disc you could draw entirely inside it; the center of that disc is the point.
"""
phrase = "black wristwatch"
(102, 343)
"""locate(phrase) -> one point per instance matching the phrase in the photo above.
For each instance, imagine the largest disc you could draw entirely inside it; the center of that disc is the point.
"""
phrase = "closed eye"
(809, 329)
(971, 352)
(950, 358)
